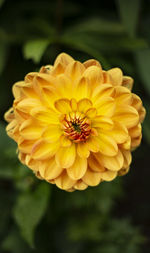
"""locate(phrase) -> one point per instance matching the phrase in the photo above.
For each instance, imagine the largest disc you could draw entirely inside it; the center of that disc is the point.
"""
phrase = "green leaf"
(3, 55)
(85, 43)
(35, 49)
(1, 2)
(129, 12)
(142, 59)
(98, 25)
(96, 45)
(14, 243)
(5, 140)
(146, 123)
(29, 210)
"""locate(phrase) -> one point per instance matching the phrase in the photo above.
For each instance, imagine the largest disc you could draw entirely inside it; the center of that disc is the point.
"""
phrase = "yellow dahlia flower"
(75, 124)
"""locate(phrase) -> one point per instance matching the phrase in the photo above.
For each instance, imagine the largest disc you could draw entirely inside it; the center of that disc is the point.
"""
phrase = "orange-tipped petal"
(92, 178)
(65, 156)
(64, 181)
(126, 115)
(64, 59)
(108, 175)
(63, 106)
(80, 185)
(74, 69)
(128, 82)
(112, 163)
(50, 169)
(116, 76)
(42, 150)
(78, 169)
(107, 145)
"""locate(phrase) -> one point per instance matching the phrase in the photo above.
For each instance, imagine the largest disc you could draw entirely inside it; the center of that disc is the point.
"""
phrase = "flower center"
(76, 126)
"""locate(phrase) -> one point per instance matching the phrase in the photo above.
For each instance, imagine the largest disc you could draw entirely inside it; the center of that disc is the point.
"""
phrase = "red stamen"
(76, 127)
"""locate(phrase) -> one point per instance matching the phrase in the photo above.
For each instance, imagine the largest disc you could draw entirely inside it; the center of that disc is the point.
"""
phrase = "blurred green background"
(36, 217)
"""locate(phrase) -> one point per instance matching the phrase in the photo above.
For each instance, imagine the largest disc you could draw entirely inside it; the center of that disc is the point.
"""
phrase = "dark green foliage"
(35, 216)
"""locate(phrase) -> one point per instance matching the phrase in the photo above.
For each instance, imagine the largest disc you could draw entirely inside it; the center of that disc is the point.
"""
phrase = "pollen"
(76, 127)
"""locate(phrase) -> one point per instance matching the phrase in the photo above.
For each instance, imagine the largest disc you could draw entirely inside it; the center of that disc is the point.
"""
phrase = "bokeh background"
(36, 217)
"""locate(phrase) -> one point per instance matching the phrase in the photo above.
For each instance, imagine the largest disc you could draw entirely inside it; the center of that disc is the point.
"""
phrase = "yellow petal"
(45, 80)
(136, 142)
(11, 125)
(64, 141)
(137, 103)
(29, 91)
(102, 122)
(121, 90)
(20, 116)
(64, 59)
(127, 158)
(94, 75)
(58, 69)
(107, 77)
(78, 169)
(127, 82)
(13, 129)
(123, 171)
(9, 115)
(74, 69)
(116, 75)
(80, 185)
(38, 175)
(30, 76)
(91, 113)
(101, 91)
(119, 132)
(43, 150)
(64, 181)
(48, 97)
(65, 156)
(52, 133)
(106, 107)
(95, 162)
(27, 104)
(124, 99)
(29, 130)
(126, 115)
(91, 62)
(17, 89)
(83, 150)
(50, 169)
(46, 69)
(108, 175)
(123, 96)
(93, 144)
(25, 146)
(127, 144)
(31, 163)
(46, 116)
(92, 178)
(135, 131)
(107, 145)
(84, 104)
(112, 163)
(142, 113)
(82, 88)
(73, 104)
(63, 106)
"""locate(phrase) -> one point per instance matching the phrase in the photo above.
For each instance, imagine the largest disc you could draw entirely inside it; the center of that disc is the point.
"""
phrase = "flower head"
(75, 124)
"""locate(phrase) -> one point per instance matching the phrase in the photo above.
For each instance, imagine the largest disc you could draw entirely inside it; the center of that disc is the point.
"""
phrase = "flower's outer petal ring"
(65, 156)
(78, 169)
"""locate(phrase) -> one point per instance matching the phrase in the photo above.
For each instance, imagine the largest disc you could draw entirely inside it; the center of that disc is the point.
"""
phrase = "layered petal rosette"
(75, 124)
